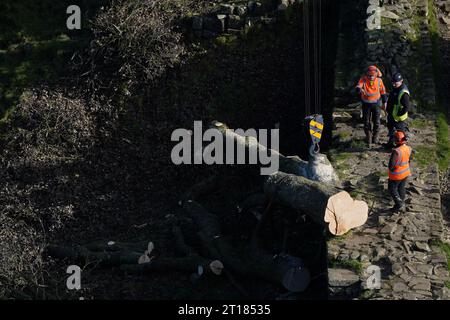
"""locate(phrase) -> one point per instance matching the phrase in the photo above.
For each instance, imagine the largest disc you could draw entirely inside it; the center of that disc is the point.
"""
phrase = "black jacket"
(393, 97)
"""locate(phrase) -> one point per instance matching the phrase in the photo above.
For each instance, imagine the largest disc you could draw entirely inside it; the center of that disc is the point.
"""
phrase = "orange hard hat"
(400, 137)
(372, 71)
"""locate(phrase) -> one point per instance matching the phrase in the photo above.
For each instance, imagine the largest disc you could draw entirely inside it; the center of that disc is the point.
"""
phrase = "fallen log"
(325, 204)
(113, 246)
(252, 201)
(120, 254)
(191, 262)
(318, 167)
(83, 254)
(283, 270)
(209, 185)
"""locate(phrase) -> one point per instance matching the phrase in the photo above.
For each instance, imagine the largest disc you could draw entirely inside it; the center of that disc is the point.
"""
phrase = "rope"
(306, 58)
(316, 56)
(315, 10)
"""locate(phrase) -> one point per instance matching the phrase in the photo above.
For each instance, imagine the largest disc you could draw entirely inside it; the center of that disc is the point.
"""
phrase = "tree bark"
(106, 259)
(293, 165)
(317, 168)
(325, 204)
(255, 262)
(128, 260)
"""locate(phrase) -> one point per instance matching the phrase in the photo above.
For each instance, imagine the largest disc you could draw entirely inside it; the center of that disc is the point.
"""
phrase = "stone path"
(403, 246)
(400, 244)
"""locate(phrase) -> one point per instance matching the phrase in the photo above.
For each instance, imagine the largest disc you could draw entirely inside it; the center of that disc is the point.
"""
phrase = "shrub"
(135, 42)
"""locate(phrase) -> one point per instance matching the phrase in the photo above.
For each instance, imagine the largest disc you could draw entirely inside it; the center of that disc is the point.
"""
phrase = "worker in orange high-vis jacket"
(373, 96)
(399, 171)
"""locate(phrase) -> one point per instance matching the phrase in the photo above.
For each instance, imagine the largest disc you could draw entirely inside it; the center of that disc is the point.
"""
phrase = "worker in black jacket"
(397, 109)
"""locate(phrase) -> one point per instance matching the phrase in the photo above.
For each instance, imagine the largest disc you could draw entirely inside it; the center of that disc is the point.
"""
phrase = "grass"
(366, 295)
(345, 134)
(425, 155)
(445, 248)
(352, 264)
(343, 146)
(339, 239)
(354, 194)
(419, 123)
(43, 61)
(226, 40)
(443, 145)
(358, 144)
(383, 173)
(338, 159)
(35, 45)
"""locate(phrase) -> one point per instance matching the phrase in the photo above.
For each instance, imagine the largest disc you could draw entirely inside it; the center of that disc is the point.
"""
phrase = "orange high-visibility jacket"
(372, 90)
(401, 168)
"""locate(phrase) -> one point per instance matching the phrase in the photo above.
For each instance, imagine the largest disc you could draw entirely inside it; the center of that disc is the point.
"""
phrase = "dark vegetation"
(85, 155)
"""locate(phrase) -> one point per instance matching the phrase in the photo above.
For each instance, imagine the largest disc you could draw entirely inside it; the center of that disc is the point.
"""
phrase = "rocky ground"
(400, 244)
(406, 247)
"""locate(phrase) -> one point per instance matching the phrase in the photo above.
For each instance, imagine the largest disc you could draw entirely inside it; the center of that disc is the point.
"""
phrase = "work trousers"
(371, 116)
(397, 189)
(396, 126)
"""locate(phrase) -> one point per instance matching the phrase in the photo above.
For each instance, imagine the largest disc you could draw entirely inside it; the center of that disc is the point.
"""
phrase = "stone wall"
(351, 52)
(238, 17)
(398, 40)
(395, 38)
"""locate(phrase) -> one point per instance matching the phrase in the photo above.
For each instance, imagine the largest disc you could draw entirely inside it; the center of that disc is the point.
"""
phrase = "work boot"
(395, 208)
(402, 208)
(389, 145)
(375, 139)
(368, 137)
(399, 206)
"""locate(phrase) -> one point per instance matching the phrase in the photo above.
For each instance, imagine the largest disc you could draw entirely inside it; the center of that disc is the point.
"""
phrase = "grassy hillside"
(35, 44)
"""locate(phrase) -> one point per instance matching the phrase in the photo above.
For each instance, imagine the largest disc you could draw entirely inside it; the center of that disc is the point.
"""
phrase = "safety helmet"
(372, 71)
(397, 77)
(400, 137)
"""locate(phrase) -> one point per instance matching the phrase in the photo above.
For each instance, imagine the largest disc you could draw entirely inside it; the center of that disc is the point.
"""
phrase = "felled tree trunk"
(81, 253)
(285, 271)
(325, 204)
(136, 257)
(317, 168)
(128, 261)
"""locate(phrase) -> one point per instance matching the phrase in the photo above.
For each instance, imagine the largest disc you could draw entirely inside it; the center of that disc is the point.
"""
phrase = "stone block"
(342, 277)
